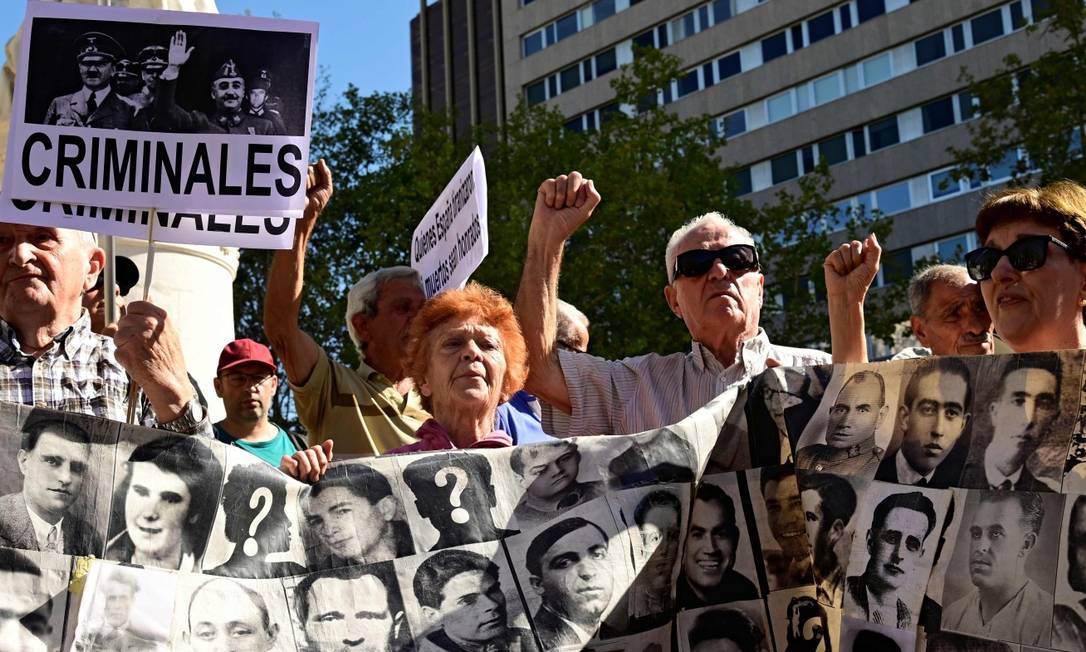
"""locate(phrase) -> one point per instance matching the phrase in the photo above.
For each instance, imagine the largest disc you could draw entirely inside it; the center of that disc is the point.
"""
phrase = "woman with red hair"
(467, 355)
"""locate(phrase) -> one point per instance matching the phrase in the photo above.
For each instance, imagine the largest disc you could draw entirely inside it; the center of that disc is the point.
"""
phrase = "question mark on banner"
(460, 483)
(263, 497)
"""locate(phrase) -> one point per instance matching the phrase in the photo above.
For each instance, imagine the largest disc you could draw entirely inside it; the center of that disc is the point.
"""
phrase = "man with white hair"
(368, 410)
(714, 285)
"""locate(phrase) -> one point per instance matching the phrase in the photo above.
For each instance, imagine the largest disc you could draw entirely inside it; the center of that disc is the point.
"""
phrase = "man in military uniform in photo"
(151, 62)
(95, 104)
(260, 101)
(227, 90)
(126, 78)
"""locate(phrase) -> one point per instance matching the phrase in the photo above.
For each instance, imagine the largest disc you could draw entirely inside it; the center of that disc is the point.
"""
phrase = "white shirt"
(43, 528)
(99, 95)
(906, 474)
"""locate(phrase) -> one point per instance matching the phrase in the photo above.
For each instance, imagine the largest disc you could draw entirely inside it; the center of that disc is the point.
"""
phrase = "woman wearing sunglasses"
(1032, 267)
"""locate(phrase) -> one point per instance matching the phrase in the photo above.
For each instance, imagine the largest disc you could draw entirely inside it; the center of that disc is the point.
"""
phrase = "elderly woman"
(467, 355)
(1032, 267)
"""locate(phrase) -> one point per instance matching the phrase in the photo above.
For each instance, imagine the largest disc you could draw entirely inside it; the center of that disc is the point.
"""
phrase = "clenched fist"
(563, 204)
(149, 350)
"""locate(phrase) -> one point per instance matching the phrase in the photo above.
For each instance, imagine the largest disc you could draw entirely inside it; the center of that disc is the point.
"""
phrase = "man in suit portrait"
(25, 607)
(95, 104)
(53, 458)
(791, 565)
(853, 419)
(935, 413)
(829, 502)
(570, 568)
(118, 588)
(712, 543)
(900, 525)
(1022, 411)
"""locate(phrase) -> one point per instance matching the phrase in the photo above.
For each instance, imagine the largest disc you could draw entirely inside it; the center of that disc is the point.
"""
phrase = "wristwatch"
(191, 417)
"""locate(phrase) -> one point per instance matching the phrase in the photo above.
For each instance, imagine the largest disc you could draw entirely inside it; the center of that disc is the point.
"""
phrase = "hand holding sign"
(563, 204)
(150, 351)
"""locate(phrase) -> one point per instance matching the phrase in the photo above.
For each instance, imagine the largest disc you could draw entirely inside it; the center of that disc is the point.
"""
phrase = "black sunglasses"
(738, 257)
(1025, 254)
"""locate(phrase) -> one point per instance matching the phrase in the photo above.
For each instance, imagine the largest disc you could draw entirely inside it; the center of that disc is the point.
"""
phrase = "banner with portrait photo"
(177, 111)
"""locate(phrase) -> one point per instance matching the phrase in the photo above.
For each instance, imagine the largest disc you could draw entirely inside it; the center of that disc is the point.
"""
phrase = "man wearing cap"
(227, 90)
(151, 63)
(94, 105)
(126, 78)
(94, 300)
(259, 87)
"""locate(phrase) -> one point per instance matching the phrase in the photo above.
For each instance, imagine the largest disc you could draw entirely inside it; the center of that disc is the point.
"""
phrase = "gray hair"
(569, 318)
(920, 285)
(365, 293)
(673, 244)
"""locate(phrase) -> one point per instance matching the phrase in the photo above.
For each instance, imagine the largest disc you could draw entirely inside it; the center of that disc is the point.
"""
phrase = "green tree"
(1039, 106)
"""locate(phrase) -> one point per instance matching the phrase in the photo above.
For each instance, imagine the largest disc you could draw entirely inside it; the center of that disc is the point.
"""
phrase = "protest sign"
(628, 544)
(451, 240)
(217, 121)
(181, 227)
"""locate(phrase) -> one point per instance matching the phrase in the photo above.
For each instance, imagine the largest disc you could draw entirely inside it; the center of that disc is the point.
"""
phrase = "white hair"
(673, 244)
(569, 318)
(365, 293)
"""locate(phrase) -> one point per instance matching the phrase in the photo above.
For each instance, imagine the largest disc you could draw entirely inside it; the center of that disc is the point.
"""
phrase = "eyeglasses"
(696, 262)
(1024, 255)
(238, 381)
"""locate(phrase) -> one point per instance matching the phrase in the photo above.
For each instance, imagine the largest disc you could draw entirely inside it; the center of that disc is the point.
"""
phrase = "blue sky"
(364, 42)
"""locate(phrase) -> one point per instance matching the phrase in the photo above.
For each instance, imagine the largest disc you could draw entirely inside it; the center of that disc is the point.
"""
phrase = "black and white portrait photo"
(654, 640)
(737, 627)
(853, 426)
(1020, 441)
(1009, 542)
(351, 608)
(829, 504)
(782, 400)
(931, 437)
(353, 517)
(33, 600)
(551, 477)
(931, 608)
(892, 553)
(124, 608)
(56, 492)
(1069, 615)
(213, 614)
(718, 564)
(858, 635)
(165, 501)
(782, 531)
(801, 623)
(455, 494)
(574, 572)
(464, 599)
(256, 534)
(663, 455)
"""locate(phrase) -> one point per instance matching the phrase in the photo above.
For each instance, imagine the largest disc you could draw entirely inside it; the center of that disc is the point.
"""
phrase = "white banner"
(451, 241)
(180, 227)
(179, 111)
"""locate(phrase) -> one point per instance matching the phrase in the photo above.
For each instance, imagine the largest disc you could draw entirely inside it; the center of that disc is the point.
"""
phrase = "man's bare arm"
(562, 205)
(283, 298)
(850, 270)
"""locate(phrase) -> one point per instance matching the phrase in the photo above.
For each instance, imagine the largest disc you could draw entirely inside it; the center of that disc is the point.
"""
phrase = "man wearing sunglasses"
(714, 286)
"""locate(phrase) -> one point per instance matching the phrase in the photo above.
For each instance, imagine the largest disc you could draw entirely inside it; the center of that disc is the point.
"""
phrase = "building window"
(536, 93)
(774, 46)
(571, 78)
(784, 167)
(1018, 19)
(957, 37)
(565, 26)
(734, 123)
(868, 9)
(930, 48)
(644, 40)
(797, 37)
(743, 184)
(877, 70)
(533, 43)
(827, 89)
(987, 27)
(605, 62)
(834, 150)
(883, 133)
(951, 250)
(938, 114)
(779, 107)
(893, 199)
(846, 17)
(688, 83)
(897, 266)
(1005, 167)
(602, 9)
(943, 185)
(728, 66)
(575, 125)
(722, 10)
(820, 27)
(859, 147)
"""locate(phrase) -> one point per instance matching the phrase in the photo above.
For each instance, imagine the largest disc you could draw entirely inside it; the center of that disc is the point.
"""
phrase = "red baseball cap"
(245, 350)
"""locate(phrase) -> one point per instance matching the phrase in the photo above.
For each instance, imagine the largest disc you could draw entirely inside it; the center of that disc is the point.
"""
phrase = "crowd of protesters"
(469, 369)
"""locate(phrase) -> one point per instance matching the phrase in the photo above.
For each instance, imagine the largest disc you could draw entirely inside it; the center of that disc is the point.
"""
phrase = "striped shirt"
(78, 373)
(651, 391)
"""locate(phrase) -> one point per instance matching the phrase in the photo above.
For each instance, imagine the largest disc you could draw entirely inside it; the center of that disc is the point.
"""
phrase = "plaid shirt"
(79, 373)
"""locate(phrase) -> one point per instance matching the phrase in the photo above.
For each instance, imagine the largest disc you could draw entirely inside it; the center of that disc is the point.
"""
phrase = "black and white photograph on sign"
(350, 607)
(1069, 614)
(783, 400)
(853, 425)
(656, 640)
(452, 500)
(553, 477)
(1021, 437)
(954, 642)
(217, 121)
(55, 480)
(464, 599)
(125, 608)
(858, 635)
(896, 536)
(165, 501)
(801, 623)
(718, 562)
(1009, 542)
(931, 608)
(353, 516)
(782, 531)
(829, 507)
(736, 627)
(932, 428)
(574, 572)
(1074, 479)
(216, 613)
(34, 600)
(257, 531)
(655, 520)
(664, 455)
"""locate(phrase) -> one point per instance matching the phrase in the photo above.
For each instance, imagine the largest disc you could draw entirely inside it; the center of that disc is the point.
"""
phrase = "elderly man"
(46, 338)
(1006, 604)
(948, 312)
(714, 286)
(95, 104)
(854, 417)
